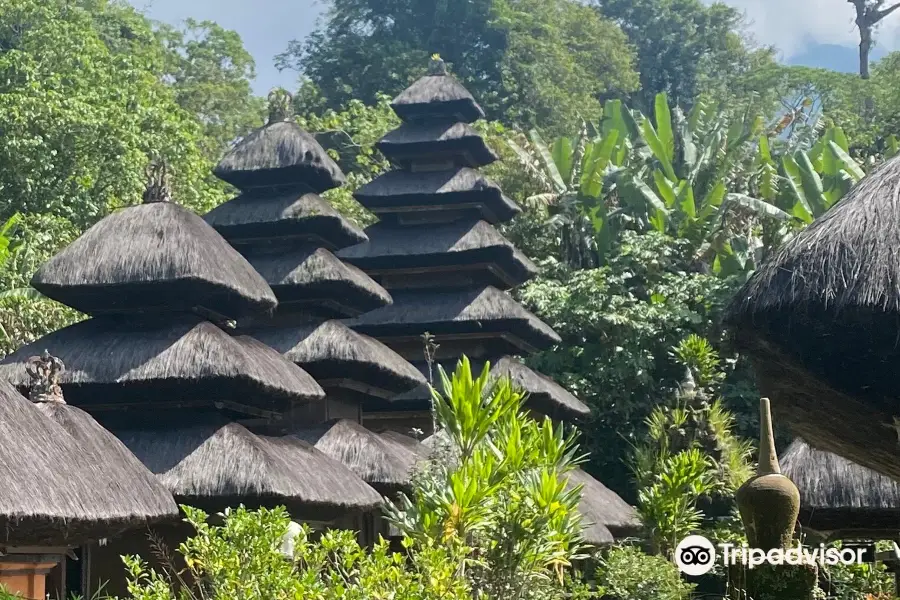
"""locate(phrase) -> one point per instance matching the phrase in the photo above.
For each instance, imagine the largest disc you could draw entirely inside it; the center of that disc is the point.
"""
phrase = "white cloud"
(792, 25)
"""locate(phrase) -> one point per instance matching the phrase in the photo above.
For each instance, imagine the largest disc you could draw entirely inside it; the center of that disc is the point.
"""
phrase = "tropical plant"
(627, 573)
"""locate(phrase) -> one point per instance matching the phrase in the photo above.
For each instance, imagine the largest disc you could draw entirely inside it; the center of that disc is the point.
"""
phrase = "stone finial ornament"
(44, 371)
(437, 66)
(158, 189)
(769, 502)
(281, 105)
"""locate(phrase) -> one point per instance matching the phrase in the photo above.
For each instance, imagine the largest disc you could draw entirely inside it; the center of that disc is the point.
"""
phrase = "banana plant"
(6, 243)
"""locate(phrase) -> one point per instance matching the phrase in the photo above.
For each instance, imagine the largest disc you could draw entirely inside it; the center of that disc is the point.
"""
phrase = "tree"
(526, 61)
(869, 13)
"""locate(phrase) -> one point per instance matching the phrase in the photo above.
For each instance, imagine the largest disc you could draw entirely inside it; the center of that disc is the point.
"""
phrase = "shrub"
(627, 573)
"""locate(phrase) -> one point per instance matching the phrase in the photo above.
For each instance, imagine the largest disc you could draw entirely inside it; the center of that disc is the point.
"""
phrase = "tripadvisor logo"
(695, 555)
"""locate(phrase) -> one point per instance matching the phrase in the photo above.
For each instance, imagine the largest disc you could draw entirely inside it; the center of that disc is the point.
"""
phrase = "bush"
(629, 574)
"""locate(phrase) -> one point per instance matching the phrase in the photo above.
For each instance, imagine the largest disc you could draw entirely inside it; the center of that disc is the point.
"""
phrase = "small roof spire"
(44, 371)
(281, 105)
(158, 189)
(437, 66)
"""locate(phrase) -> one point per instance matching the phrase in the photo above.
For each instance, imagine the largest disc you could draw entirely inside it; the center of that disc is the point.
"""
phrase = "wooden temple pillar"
(24, 571)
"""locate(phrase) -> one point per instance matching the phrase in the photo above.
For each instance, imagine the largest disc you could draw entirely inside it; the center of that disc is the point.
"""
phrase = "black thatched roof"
(157, 256)
(453, 247)
(544, 395)
(279, 154)
(297, 215)
(218, 462)
(487, 311)
(438, 95)
(314, 276)
(417, 142)
(117, 361)
(839, 496)
(462, 189)
(331, 351)
(55, 490)
(602, 506)
(385, 465)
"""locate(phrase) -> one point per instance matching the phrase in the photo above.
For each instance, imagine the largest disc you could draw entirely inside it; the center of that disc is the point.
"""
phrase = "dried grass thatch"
(391, 248)
(438, 95)
(839, 497)
(220, 463)
(300, 215)
(116, 361)
(602, 506)
(487, 311)
(57, 491)
(314, 276)
(156, 257)
(333, 351)
(414, 142)
(462, 189)
(406, 442)
(383, 464)
(279, 154)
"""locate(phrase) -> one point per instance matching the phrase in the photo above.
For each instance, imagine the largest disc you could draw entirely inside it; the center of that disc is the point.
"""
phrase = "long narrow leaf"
(758, 207)
(546, 159)
(562, 152)
(812, 184)
(851, 166)
(795, 183)
(656, 146)
(665, 188)
(664, 125)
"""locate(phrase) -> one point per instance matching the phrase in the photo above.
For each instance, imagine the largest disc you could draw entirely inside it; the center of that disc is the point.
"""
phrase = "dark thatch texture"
(437, 97)
(117, 361)
(450, 247)
(279, 154)
(459, 142)
(840, 497)
(156, 257)
(56, 491)
(409, 443)
(299, 215)
(219, 463)
(823, 314)
(384, 465)
(601, 506)
(458, 189)
(333, 351)
(315, 276)
(487, 311)
(544, 395)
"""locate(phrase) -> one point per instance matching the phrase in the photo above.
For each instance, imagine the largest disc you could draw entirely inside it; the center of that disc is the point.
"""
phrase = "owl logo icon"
(695, 555)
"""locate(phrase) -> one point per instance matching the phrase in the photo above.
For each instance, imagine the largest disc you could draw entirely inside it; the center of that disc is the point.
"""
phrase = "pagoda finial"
(281, 105)
(157, 189)
(44, 371)
(768, 459)
(437, 66)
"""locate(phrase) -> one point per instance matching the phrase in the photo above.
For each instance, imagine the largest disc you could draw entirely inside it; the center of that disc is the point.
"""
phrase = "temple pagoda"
(437, 250)
(289, 234)
(160, 364)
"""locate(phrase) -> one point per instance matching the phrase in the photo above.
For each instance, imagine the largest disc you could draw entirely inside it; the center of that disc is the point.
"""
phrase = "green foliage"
(531, 62)
(242, 558)
(858, 582)
(495, 488)
(626, 573)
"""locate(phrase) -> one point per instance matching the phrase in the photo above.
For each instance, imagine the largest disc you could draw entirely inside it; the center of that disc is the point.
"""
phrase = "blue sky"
(817, 33)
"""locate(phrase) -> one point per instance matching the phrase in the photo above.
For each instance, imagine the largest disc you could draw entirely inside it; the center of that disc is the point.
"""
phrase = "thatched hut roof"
(459, 142)
(332, 352)
(602, 506)
(409, 443)
(314, 276)
(56, 490)
(462, 189)
(220, 463)
(156, 257)
(299, 215)
(119, 361)
(487, 311)
(438, 95)
(451, 247)
(839, 497)
(820, 321)
(385, 465)
(279, 154)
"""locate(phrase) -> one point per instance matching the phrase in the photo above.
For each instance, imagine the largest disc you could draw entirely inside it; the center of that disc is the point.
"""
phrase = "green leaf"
(665, 188)
(656, 146)
(546, 159)
(664, 125)
(562, 153)
(686, 200)
(846, 161)
(812, 184)
(801, 208)
(649, 197)
(758, 207)
(893, 146)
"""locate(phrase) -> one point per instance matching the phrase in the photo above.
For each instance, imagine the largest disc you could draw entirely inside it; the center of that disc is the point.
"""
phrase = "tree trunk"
(865, 48)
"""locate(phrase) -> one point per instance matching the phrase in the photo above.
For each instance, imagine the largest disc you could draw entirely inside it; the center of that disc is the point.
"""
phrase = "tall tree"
(532, 62)
(869, 13)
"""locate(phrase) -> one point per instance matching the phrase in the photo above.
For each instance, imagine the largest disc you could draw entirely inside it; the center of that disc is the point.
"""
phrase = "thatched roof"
(331, 352)
(57, 491)
(219, 462)
(839, 496)
(544, 395)
(438, 95)
(385, 465)
(462, 189)
(314, 276)
(412, 142)
(300, 215)
(119, 361)
(159, 257)
(486, 311)
(409, 443)
(279, 154)
(451, 246)
(602, 506)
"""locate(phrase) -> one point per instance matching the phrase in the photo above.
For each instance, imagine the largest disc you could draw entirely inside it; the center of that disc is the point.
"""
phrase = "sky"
(817, 33)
